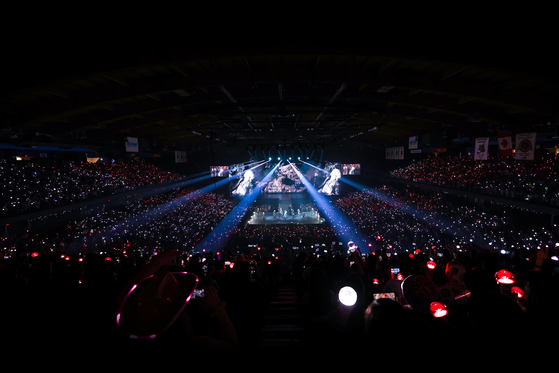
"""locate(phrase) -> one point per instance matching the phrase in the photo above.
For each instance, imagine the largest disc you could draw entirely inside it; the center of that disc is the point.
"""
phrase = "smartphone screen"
(390, 295)
(198, 293)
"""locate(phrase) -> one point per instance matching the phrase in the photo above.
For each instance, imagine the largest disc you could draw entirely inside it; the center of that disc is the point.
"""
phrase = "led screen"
(243, 179)
(329, 179)
(351, 169)
(235, 169)
(284, 180)
(219, 171)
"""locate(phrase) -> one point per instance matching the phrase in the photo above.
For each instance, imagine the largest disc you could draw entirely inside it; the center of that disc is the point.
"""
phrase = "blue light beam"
(344, 228)
(130, 224)
(438, 222)
(219, 237)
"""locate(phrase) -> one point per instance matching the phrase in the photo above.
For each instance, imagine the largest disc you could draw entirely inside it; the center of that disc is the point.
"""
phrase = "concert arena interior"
(253, 193)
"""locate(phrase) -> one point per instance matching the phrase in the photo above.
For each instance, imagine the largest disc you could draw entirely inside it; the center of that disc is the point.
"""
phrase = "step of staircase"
(283, 325)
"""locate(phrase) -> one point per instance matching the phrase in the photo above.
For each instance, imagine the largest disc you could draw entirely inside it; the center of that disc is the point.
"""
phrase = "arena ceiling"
(265, 89)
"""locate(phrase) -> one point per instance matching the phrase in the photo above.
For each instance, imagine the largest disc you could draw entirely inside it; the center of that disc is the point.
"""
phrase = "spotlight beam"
(218, 238)
(132, 223)
(438, 223)
(318, 168)
(114, 201)
(344, 228)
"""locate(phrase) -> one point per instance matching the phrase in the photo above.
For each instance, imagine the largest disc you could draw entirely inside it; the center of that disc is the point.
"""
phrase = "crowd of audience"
(67, 282)
(30, 186)
(179, 218)
(300, 236)
(406, 219)
(535, 181)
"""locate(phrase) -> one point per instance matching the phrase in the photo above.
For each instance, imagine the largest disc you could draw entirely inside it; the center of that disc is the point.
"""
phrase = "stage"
(266, 218)
(284, 209)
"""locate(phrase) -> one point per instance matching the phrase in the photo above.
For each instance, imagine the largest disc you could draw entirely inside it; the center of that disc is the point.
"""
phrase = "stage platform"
(266, 218)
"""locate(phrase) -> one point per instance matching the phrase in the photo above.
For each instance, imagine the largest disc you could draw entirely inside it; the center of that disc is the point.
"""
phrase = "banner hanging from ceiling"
(131, 144)
(180, 156)
(413, 142)
(481, 149)
(396, 152)
(525, 146)
(505, 143)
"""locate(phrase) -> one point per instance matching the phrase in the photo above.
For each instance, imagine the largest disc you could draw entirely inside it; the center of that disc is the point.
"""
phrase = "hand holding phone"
(211, 300)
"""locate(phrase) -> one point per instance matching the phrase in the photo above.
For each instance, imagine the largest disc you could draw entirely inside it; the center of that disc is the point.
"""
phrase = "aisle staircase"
(283, 327)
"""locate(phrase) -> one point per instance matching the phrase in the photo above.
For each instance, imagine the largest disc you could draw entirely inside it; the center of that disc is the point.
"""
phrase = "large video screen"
(325, 178)
(284, 180)
(219, 171)
(243, 179)
(351, 169)
(328, 181)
